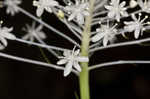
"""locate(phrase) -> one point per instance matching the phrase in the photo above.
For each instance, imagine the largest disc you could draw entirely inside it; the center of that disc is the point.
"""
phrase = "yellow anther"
(148, 22)
(146, 16)
(60, 14)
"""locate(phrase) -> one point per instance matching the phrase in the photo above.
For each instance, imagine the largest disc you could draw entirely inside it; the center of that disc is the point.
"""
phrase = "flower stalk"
(84, 74)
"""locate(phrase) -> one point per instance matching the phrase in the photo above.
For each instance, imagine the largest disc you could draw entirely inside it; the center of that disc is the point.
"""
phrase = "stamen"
(100, 23)
(144, 19)
(139, 16)
(148, 23)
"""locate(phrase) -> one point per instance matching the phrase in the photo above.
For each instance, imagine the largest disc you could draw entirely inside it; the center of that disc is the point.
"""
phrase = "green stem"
(84, 75)
(84, 82)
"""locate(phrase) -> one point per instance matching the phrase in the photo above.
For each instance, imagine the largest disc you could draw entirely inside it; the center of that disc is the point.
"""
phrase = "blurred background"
(19, 80)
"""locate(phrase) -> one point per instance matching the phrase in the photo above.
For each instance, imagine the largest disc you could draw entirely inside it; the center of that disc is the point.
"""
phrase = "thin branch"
(33, 62)
(100, 4)
(120, 31)
(119, 63)
(104, 19)
(71, 27)
(48, 26)
(92, 46)
(121, 44)
(41, 45)
(99, 13)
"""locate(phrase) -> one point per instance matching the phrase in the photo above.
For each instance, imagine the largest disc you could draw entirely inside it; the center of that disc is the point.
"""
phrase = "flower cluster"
(110, 18)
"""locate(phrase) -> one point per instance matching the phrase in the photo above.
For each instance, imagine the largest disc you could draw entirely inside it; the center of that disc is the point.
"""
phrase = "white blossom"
(106, 33)
(33, 32)
(116, 10)
(78, 11)
(136, 26)
(44, 4)
(12, 6)
(5, 34)
(145, 6)
(72, 59)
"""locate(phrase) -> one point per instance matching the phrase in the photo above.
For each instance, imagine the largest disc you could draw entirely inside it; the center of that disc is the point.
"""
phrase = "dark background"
(19, 80)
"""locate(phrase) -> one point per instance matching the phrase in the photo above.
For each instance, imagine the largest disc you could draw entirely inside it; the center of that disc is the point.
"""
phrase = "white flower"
(78, 11)
(137, 26)
(33, 32)
(12, 6)
(44, 4)
(5, 34)
(116, 10)
(145, 6)
(105, 33)
(72, 59)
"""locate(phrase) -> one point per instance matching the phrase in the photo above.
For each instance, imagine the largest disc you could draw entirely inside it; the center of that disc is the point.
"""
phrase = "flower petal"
(77, 52)
(62, 61)
(77, 66)
(141, 3)
(41, 35)
(72, 16)
(108, 7)
(97, 37)
(1, 47)
(105, 41)
(122, 4)
(118, 17)
(39, 11)
(68, 68)
(48, 9)
(3, 40)
(39, 28)
(9, 36)
(137, 33)
(134, 17)
(25, 37)
(80, 18)
(67, 53)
